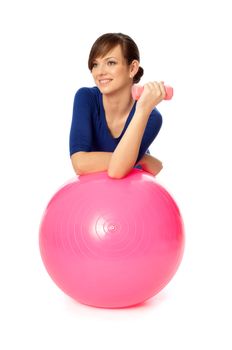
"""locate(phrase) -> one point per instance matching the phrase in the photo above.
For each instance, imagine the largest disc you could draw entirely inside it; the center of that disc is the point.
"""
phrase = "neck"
(118, 104)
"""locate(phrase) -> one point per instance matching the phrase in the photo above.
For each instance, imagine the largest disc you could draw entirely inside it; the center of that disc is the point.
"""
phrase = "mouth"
(104, 82)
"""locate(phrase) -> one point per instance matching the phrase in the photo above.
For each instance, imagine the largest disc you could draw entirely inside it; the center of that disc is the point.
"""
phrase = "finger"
(155, 84)
(162, 89)
(150, 86)
(157, 87)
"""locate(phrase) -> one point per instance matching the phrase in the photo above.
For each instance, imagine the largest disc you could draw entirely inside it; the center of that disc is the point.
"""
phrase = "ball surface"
(112, 243)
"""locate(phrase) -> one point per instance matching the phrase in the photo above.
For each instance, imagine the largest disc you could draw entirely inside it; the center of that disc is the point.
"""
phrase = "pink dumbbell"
(138, 89)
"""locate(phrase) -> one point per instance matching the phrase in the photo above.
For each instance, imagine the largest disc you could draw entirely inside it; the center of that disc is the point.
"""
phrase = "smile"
(104, 81)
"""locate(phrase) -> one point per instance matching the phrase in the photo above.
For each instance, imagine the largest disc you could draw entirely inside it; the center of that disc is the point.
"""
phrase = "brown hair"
(107, 42)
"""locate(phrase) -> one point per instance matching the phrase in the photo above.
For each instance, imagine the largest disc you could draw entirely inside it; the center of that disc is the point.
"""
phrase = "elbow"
(159, 168)
(117, 174)
(77, 170)
(75, 165)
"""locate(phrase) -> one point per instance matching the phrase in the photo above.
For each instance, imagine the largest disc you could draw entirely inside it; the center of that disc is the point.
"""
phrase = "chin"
(106, 90)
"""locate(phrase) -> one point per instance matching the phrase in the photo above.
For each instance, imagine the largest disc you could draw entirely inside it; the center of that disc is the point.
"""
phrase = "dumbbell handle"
(138, 89)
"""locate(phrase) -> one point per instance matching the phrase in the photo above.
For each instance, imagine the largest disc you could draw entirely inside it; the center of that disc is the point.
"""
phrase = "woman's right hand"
(153, 93)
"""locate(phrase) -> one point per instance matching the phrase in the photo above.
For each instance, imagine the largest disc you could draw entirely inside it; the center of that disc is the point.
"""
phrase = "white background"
(44, 52)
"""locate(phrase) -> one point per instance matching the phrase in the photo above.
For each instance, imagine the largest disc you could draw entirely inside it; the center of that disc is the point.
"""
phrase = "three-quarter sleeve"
(152, 129)
(81, 132)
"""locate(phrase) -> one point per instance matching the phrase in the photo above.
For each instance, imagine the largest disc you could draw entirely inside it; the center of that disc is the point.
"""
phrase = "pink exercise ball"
(112, 243)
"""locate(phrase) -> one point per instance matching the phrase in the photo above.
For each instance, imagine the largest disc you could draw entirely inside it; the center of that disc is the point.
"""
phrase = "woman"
(110, 131)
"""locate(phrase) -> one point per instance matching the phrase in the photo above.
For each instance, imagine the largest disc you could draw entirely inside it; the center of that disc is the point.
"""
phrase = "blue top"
(89, 130)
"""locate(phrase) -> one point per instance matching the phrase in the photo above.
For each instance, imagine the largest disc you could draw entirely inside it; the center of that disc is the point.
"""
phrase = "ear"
(134, 67)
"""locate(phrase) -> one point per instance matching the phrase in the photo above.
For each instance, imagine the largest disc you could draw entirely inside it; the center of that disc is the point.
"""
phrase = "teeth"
(104, 81)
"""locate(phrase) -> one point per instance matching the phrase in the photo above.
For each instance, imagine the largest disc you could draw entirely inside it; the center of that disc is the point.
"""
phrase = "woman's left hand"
(153, 93)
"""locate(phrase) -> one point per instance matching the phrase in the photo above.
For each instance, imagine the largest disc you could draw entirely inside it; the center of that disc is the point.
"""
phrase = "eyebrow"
(107, 58)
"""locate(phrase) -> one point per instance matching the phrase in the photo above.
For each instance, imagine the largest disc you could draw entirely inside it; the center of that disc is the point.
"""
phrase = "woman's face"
(111, 72)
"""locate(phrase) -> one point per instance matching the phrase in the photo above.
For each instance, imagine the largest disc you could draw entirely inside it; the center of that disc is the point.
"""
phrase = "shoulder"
(155, 120)
(155, 115)
(87, 94)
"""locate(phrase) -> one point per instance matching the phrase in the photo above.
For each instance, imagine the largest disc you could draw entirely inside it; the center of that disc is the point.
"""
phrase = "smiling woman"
(111, 71)
(128, 52)
(110, 131)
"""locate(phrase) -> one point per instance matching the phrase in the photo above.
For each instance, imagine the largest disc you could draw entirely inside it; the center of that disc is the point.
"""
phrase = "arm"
(151, 164)
(126, 153)
(83, 160)
(90, 162)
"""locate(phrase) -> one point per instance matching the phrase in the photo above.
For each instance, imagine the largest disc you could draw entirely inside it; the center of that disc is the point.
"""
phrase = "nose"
(101, 69)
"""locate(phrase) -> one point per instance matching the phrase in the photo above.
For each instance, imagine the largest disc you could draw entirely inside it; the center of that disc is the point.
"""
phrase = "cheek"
(121, 72)
(94, 76)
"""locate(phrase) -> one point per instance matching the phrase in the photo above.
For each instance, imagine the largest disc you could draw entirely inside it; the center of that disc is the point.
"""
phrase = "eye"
(111, 63)
(94, 65)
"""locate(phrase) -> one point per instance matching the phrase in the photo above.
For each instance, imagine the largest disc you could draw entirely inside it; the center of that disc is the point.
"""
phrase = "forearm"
(125, 154)
(151, 164)
(90, 162)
